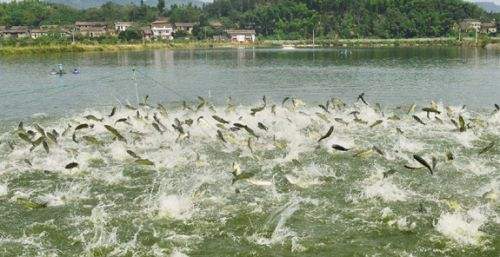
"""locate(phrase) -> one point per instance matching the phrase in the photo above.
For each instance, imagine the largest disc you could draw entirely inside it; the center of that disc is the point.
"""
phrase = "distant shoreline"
(493, 43)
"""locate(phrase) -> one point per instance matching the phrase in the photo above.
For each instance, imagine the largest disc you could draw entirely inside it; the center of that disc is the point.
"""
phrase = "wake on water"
(209, 180)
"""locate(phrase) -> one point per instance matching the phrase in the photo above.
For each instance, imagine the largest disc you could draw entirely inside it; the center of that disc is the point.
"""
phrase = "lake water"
(415, 175)
(389, 76)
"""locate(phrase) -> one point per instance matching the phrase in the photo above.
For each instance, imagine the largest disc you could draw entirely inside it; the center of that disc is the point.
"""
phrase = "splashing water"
(180, 182)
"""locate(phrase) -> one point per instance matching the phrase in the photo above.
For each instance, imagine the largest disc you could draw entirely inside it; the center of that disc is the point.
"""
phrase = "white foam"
(175, 206)
(386, 190)
(4, 189)
(463, 228)
(178, 253)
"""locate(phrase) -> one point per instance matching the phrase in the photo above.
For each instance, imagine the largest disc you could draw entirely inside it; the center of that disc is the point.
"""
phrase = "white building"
(122, 26)
(241, 35)
(162, 29)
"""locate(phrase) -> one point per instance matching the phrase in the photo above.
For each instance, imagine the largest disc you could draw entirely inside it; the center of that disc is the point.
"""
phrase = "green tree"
(161, 7)
(130, 34)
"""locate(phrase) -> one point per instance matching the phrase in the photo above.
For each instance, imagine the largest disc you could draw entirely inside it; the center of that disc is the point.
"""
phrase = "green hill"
(83, 4)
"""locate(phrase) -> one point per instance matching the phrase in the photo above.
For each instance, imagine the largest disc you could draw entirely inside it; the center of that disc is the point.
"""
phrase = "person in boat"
(76, 71)
(59, 71)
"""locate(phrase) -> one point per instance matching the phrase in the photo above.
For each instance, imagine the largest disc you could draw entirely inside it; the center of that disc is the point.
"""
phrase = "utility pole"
(476, 36)
(314, 45)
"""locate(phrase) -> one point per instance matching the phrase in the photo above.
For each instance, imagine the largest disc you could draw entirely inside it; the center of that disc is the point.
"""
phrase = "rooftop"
(240, 31)
(124, 23)
(90, 23)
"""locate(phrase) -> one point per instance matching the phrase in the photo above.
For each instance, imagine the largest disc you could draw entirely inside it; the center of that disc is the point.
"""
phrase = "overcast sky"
(495, 1)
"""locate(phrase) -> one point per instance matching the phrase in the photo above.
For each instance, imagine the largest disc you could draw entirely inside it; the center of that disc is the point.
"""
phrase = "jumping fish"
(72, 165)
(378, 150)
(30, 204)
(249, 144)
(324, 108)
(115, 133)
(39, 129)
(201, 104)
(219, 119)
(423, 162)
(24, 137)
(162, 110)
(144, 162)
(262, 126)
(82, 126)
(256, 110)
(376, 123)
(461, 122)
(250, 131)
(155, 118)
(185, 106)
(45, 146)
(418, 119)
(284, 101)
(362, 98)
(328, 134)
(449, 156)
(339, 148)
(52, 137)
(124, 120)
(113, 111)
(133, 154)
(37, 143)
(92, 140)
(487, 148)
(157, 127)
(430, 109)
(220, 136)
(65, 132)
(93, 118)
(360, 121)
(411, 109)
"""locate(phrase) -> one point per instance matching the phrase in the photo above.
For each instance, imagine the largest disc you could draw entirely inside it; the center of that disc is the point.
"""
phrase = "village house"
(93, 32)
(38, 32)
(15, 32)
(241, 35)
(162, 29)
(470, 25)
(91, 28)
(489, 27)
(79, 25)
(122, 25)
(185, 26)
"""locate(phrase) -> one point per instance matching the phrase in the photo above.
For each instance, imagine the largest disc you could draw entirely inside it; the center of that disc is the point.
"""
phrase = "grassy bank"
(79, 47)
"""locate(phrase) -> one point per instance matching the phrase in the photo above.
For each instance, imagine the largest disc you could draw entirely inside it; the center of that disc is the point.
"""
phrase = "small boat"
(288, 47)
(76, 71)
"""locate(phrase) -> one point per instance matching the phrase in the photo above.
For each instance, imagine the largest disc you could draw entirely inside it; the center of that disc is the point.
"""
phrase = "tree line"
(274, 19)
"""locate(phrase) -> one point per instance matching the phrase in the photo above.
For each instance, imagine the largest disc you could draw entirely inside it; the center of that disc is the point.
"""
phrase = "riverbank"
(491, 43)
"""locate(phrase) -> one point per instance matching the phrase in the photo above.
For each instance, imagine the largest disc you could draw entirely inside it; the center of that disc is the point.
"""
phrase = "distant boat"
(288, 47)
